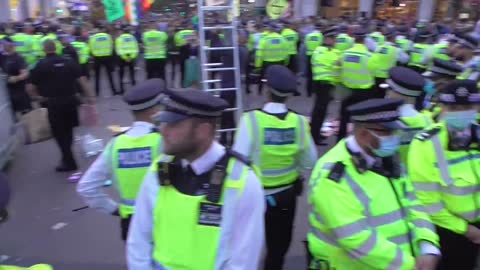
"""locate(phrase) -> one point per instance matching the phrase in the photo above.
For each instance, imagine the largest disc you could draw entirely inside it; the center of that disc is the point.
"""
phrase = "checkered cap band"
(440, 70)
(402, 90)
(376, 116)
(450, 98)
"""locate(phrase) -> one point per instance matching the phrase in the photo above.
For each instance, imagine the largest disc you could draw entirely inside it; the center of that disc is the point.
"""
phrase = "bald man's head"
(49, 46)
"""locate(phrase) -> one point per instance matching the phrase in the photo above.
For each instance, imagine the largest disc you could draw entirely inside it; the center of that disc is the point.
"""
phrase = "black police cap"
(444, 68)
(187, 103)
(359, 32)
(463, 92)
(377, 111)
(330, 32)
(282, 80)
(424, 34)
(467, 41)
(145, 95)
(406, 81)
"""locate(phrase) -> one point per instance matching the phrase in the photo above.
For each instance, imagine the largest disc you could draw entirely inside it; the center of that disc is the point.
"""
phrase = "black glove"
(116, 213)
(298, 185)
(3, 215)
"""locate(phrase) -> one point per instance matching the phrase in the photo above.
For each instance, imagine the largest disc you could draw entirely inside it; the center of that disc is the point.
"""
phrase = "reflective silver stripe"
(451, 190)
(385, 219)
(256, 134)
(473, 215)
(323, 237)
(411, 196)
(237, 170)
(419, 208)
(350, 229)
(356, 71)
(442, 161)
(399, 239)
(127, 202)
(433, 208)
(423, 186)
(365, 248)
(301, 137)
(397, 261)
(158, 266)
(279, 172)
(347, 80)
(360, 193)
(318, 217)
(422, 223)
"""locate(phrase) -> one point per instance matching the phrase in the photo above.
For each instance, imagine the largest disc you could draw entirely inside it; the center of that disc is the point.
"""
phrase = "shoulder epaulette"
(239, 156)
(336, 173)
(427, 134)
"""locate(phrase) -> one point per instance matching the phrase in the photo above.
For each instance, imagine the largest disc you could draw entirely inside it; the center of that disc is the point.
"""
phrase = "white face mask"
(460, 120)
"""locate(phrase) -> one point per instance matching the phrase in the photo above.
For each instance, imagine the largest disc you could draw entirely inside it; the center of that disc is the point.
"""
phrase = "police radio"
(217, 178)
(167, 171)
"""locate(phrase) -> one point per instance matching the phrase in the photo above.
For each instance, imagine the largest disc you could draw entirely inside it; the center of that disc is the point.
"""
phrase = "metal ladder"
(232, 45)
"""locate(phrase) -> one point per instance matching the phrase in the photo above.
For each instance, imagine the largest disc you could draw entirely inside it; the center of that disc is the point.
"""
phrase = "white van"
(8, 127)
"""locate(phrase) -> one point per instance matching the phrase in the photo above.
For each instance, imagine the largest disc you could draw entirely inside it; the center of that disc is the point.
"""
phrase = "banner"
(114, 9)
(277, 8)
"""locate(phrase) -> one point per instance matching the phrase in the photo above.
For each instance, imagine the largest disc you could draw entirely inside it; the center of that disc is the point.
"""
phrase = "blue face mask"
(429, 88)
(460, 120)
(388, 145)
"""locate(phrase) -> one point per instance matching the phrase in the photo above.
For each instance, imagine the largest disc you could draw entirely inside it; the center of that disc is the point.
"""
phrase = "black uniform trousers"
(84, 69)
(457, 251)
(122, 64)
(174, 60)
(125, 226)
(380, 91)
(108, 63)
(292, 64)
(262, 74)
(63, 117)
(279, 219)
(357, 95)
(309, 76)
(184, 55)
(155, 68)
(323, 96)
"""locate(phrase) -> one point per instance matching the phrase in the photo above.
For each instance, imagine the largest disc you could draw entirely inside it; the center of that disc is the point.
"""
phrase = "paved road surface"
(43, 227)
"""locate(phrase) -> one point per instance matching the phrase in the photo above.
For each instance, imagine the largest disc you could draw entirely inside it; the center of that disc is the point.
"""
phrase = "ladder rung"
(230, 109)
(217, 48)
(226, 130)
(220, 69)
(215, 8)
(212, 64)
(212, 81)
(221, 89)
(217, 27)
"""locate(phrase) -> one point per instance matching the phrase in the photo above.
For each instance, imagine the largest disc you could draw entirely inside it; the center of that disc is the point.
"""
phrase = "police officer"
(386, 56)
(343, 41)
(325, 77)
(200, 205)
(444, 171)
(68, 50)
(23, 42)
(439, 74)
(127, 157)
(126, 47)
(377, 222)
(402, 39)
(407, 85)
(465, 54)
(182, 37)
(83, 51)
(275, 139)
(155, 52)
(357, 75)
(101, 47)
(53, 79)
(312, 41)
(421, 52)
(292, 38)
(16, 69)
(272, 50)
